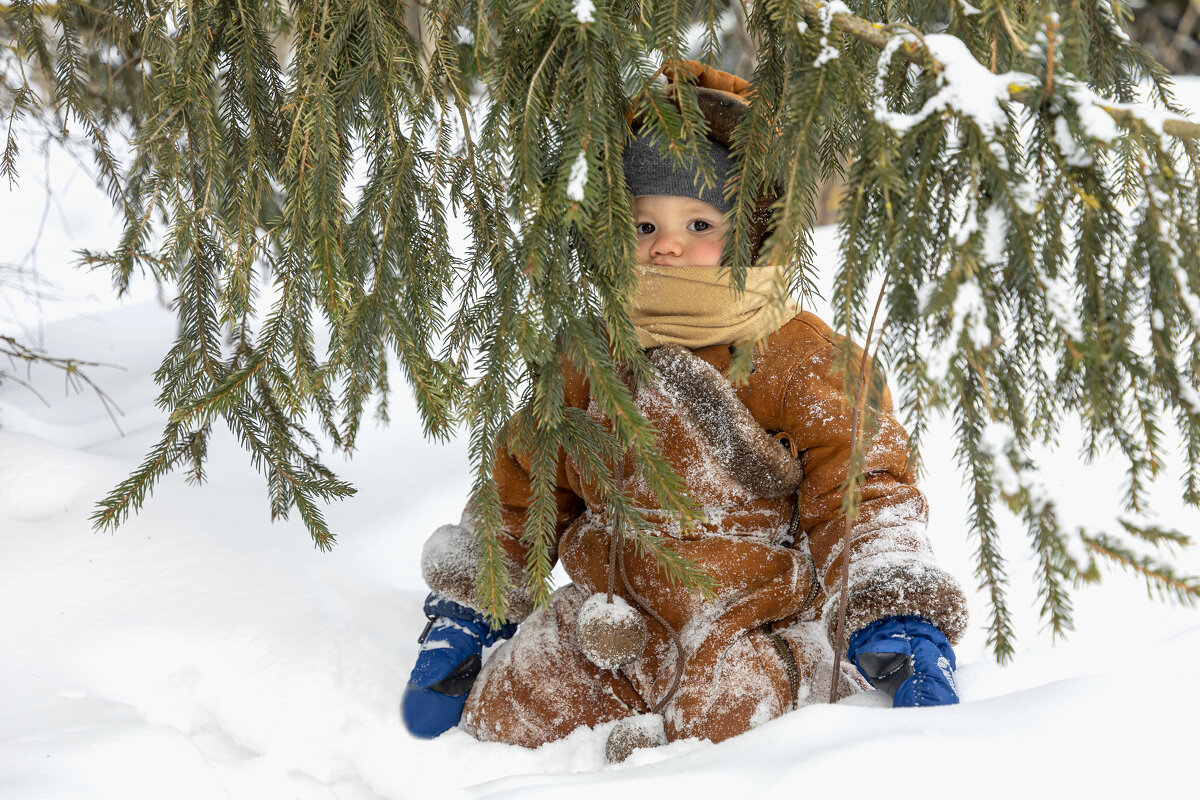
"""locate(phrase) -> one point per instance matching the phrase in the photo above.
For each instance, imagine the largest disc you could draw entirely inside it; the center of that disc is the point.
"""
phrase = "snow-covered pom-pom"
(645, 730)
(611, 634)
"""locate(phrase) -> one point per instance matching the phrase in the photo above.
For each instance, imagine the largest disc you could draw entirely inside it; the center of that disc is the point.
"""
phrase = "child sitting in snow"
(767, 460)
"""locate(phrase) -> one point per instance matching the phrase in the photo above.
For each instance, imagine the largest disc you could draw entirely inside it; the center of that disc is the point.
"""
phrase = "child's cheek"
(708, 253)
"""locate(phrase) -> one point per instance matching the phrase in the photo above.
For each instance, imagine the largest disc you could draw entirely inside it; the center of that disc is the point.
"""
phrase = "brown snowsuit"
(754, 456)
(768, 462)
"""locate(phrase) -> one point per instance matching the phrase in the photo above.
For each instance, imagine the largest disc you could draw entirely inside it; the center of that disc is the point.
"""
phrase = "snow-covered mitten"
(907, 657)
(447, 665)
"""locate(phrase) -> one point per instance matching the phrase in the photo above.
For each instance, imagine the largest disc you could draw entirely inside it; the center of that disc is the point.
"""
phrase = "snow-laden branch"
(1020, 87)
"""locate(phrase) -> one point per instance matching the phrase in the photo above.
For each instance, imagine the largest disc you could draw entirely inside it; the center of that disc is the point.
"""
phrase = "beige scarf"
(695, 306)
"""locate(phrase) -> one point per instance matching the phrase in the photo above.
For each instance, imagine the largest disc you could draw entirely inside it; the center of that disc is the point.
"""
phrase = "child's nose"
(666, 244)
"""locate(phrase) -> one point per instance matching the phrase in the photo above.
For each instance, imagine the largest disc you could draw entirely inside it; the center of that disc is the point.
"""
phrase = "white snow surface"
(203, 652)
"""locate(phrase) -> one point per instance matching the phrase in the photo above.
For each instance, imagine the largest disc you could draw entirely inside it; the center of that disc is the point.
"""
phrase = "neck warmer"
(695, 306)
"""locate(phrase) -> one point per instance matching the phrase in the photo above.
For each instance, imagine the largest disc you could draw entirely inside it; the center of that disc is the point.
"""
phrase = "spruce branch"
(131, 493)
(1022, 88)
(297, 176)
(1160, 578)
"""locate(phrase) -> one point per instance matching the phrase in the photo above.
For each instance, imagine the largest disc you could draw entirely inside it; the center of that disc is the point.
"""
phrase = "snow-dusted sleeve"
(892, 569)
(450, 560)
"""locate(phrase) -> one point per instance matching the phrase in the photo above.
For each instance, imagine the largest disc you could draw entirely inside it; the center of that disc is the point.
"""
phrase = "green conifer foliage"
(335, 190)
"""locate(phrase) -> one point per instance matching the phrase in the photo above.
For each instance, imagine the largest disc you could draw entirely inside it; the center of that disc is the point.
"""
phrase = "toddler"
(767, 460)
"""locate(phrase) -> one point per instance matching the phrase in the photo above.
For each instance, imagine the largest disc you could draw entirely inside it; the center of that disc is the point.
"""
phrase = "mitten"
(447, 665)
(907, 657)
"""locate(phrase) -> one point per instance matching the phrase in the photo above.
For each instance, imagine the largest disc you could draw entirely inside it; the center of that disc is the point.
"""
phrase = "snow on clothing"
(763, 646)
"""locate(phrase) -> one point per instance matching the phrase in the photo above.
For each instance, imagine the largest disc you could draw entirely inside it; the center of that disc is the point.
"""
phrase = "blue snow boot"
(907, 657)
(447, 665)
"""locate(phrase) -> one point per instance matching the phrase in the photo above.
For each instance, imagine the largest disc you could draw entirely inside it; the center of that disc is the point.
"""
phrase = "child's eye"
(644, 228)
(698, 226)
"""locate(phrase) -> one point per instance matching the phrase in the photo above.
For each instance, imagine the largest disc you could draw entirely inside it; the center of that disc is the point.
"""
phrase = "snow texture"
(825, 16)
(578, 179)
(597, 609)
(995, 235)
(969, 225)
(1025, 195)
(611, 634)
(1190, 301)
(1073, 152)
(966, 86)
(971, 90)
(1100, 125)
(1061, 302)
(1096, 122)
(1189, 396)
(969, 315)
(584, 11)
(202, 652)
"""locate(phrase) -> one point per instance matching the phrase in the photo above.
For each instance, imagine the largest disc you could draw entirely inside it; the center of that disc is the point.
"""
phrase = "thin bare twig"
(860, 394)
(74, 378)
(1171, 51)
(680, 653)
(1016, 40)
(1051, 38)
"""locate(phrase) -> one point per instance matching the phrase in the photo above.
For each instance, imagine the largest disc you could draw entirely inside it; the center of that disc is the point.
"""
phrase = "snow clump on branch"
(825, 15)
(1060, 299)
(970, 313)
(584, 11)
(967, 87)
(579, 177)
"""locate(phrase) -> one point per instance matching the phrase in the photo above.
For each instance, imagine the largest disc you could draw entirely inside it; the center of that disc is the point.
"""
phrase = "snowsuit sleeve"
(450, 561)
(892, 569)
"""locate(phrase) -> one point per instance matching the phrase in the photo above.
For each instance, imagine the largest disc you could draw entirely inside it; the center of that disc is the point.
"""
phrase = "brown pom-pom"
(611, 634)
(634, 733)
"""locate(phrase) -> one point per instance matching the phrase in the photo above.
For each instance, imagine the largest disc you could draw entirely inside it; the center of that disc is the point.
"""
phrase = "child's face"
(678, 231)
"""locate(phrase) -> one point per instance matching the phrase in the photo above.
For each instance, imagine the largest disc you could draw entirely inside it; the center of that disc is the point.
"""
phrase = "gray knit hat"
(649, 170)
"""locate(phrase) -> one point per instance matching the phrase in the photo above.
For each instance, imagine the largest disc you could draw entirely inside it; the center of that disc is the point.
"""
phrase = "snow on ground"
(202, 652)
